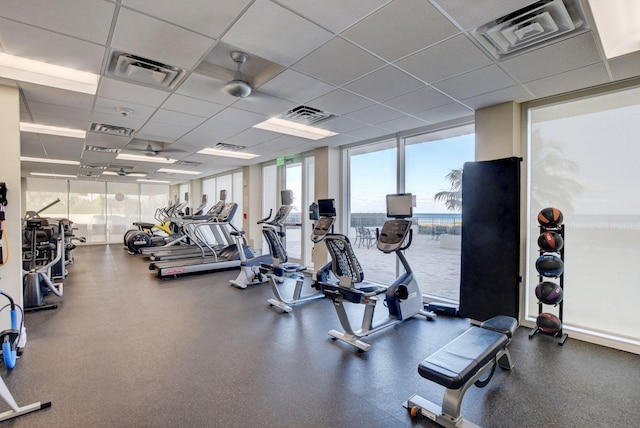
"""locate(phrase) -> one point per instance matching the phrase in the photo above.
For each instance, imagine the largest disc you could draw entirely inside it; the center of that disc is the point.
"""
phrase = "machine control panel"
(393, 234)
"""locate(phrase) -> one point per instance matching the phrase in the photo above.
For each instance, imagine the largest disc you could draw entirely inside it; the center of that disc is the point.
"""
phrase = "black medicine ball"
(550, 217)
(548, 323)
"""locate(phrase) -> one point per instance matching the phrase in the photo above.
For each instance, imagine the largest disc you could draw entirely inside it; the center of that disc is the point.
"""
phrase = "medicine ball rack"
(559, 229)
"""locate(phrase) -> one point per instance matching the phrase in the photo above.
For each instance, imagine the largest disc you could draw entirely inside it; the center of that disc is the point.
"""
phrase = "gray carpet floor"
(125, 349)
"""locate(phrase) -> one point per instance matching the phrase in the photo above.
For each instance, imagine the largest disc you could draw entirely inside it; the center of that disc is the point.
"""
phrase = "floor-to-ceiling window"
(372, 175)
(433, 172)
(153, 197)
(87, 209)
(123, 204)
(43, 192)
(293, 182)
(582, 159)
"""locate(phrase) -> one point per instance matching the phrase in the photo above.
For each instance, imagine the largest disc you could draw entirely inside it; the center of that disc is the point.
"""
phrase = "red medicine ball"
(550, 241)
(550, 217)
(548, 323)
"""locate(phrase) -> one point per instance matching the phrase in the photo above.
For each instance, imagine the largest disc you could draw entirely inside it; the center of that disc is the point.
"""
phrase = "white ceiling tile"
(448, 58)
(383, 84)
(62, 112)
(341, 125)
(240, 117)
(324, 12)
(340, 102)
(338, 140)
(128, 92)
(175, 118)
(403, 124)
(574, 52)
(63, 148)
(163, 132)
(375, 114)
(514, 93)
(97, 158)
(193, 106)
(85, 19)
(252, 137)
(444, 113)
(109, 106)
(209, 17)
(106, 140)
(159, 41)
(338, 62)
(264, 104)
(481, 81)
(261, 31)
(53, 119)
(468, 16)
(592, 75)
(46, 46)
(369, 132)
(31, 148)
(295, 86)
(419, 100)
(400, 28)
(211, 132)
(48, 95)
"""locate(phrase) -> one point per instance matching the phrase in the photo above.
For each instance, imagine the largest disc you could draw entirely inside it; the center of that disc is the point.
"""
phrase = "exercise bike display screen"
(400, 205)
(326, 208)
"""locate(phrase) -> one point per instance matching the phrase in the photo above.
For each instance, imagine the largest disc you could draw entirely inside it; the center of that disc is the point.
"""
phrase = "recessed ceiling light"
(40, 73)
(179, 171)
(142, 158)
(227, 153)
(52, 130)
(146, 180)
(46, 160)
(293, 128)
(42, 174)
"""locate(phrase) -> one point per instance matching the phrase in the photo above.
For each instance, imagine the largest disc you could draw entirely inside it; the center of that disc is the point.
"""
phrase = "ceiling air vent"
(100, 150)
(530, 27)
(120, 131)
(228, 147)
(187, 163)
(136, 69)
(92, 166)
(306, 115)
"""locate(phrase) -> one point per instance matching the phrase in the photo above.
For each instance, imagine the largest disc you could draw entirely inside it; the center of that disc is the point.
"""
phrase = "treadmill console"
(393, 234)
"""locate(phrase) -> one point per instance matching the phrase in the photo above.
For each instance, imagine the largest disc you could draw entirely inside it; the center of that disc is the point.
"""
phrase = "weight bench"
(462, 363)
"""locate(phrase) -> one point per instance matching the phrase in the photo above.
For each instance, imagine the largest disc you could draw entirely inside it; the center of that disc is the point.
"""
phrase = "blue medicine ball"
(550, 265)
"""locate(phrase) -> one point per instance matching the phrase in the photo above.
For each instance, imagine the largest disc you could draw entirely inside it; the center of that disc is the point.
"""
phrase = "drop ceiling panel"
(252, 137)
(592, 75)
(569, 54)
(63, 148)
(160, 131)
(46, 46)
(400, 28)
(626, 66)
(65, 122)
(468, 16)
(341, 125)
(448, 58)
(241, 117)
(340, 102)
(295, 86)
(338, 62)
(192, 106)
(324, 12)
(369, 132)
(419, 100)
(375, 114)
(105, 140)
(109, 106)
(264, 104)
(211, 132)
(208, 17)
(97, 158)
(127, 92)
(159, 41)
(403, 123)
(67, 114)
(445, 113)
(514, 93)
(175, 118)
(84, 19)
(481, 81)
(283, 142)
(48, 95)
(383, 84)
(205, 88)
(31, 148)
(261, 31)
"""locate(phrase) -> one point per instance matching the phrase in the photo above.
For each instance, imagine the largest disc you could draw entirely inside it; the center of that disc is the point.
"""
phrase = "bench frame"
(448, 415)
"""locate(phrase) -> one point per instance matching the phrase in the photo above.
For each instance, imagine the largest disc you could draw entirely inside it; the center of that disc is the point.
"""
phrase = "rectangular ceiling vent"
(101, 149)
(228, 147)
(306, 115)
(141, 70)
(119, 131)
(92, 167)
(530, 27)
(186, 163)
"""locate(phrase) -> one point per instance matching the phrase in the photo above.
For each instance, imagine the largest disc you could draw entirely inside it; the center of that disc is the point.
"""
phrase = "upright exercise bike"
(402, 298)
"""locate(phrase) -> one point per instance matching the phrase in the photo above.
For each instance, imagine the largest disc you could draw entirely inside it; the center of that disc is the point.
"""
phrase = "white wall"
(10, 273)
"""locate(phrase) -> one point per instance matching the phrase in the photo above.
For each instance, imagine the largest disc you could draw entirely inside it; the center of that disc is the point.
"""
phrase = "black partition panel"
(489, 275)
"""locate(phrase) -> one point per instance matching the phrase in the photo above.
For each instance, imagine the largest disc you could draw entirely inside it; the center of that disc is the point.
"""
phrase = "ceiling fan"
(124, 171)
(238, 86)
(152, 148)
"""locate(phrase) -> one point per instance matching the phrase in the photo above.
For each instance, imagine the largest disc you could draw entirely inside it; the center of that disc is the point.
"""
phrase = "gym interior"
(455, 248)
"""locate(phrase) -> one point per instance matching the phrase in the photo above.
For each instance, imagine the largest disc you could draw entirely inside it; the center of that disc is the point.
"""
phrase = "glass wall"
(87, 209)
(123, 205)
(293, 182)
(433, 172)
(153, 197)
(232, 183)
(372, 175)
(582, 159)
(270, 194)
(42, 192)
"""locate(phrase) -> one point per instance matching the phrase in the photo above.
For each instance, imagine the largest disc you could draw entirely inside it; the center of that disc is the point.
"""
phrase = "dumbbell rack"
(562, 336)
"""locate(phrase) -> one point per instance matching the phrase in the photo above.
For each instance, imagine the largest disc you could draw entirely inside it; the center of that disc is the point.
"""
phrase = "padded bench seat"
(458, 361)
(353, 294)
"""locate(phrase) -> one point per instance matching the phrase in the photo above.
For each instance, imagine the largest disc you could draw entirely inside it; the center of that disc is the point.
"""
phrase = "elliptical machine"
(403, 298)
(254, 271)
